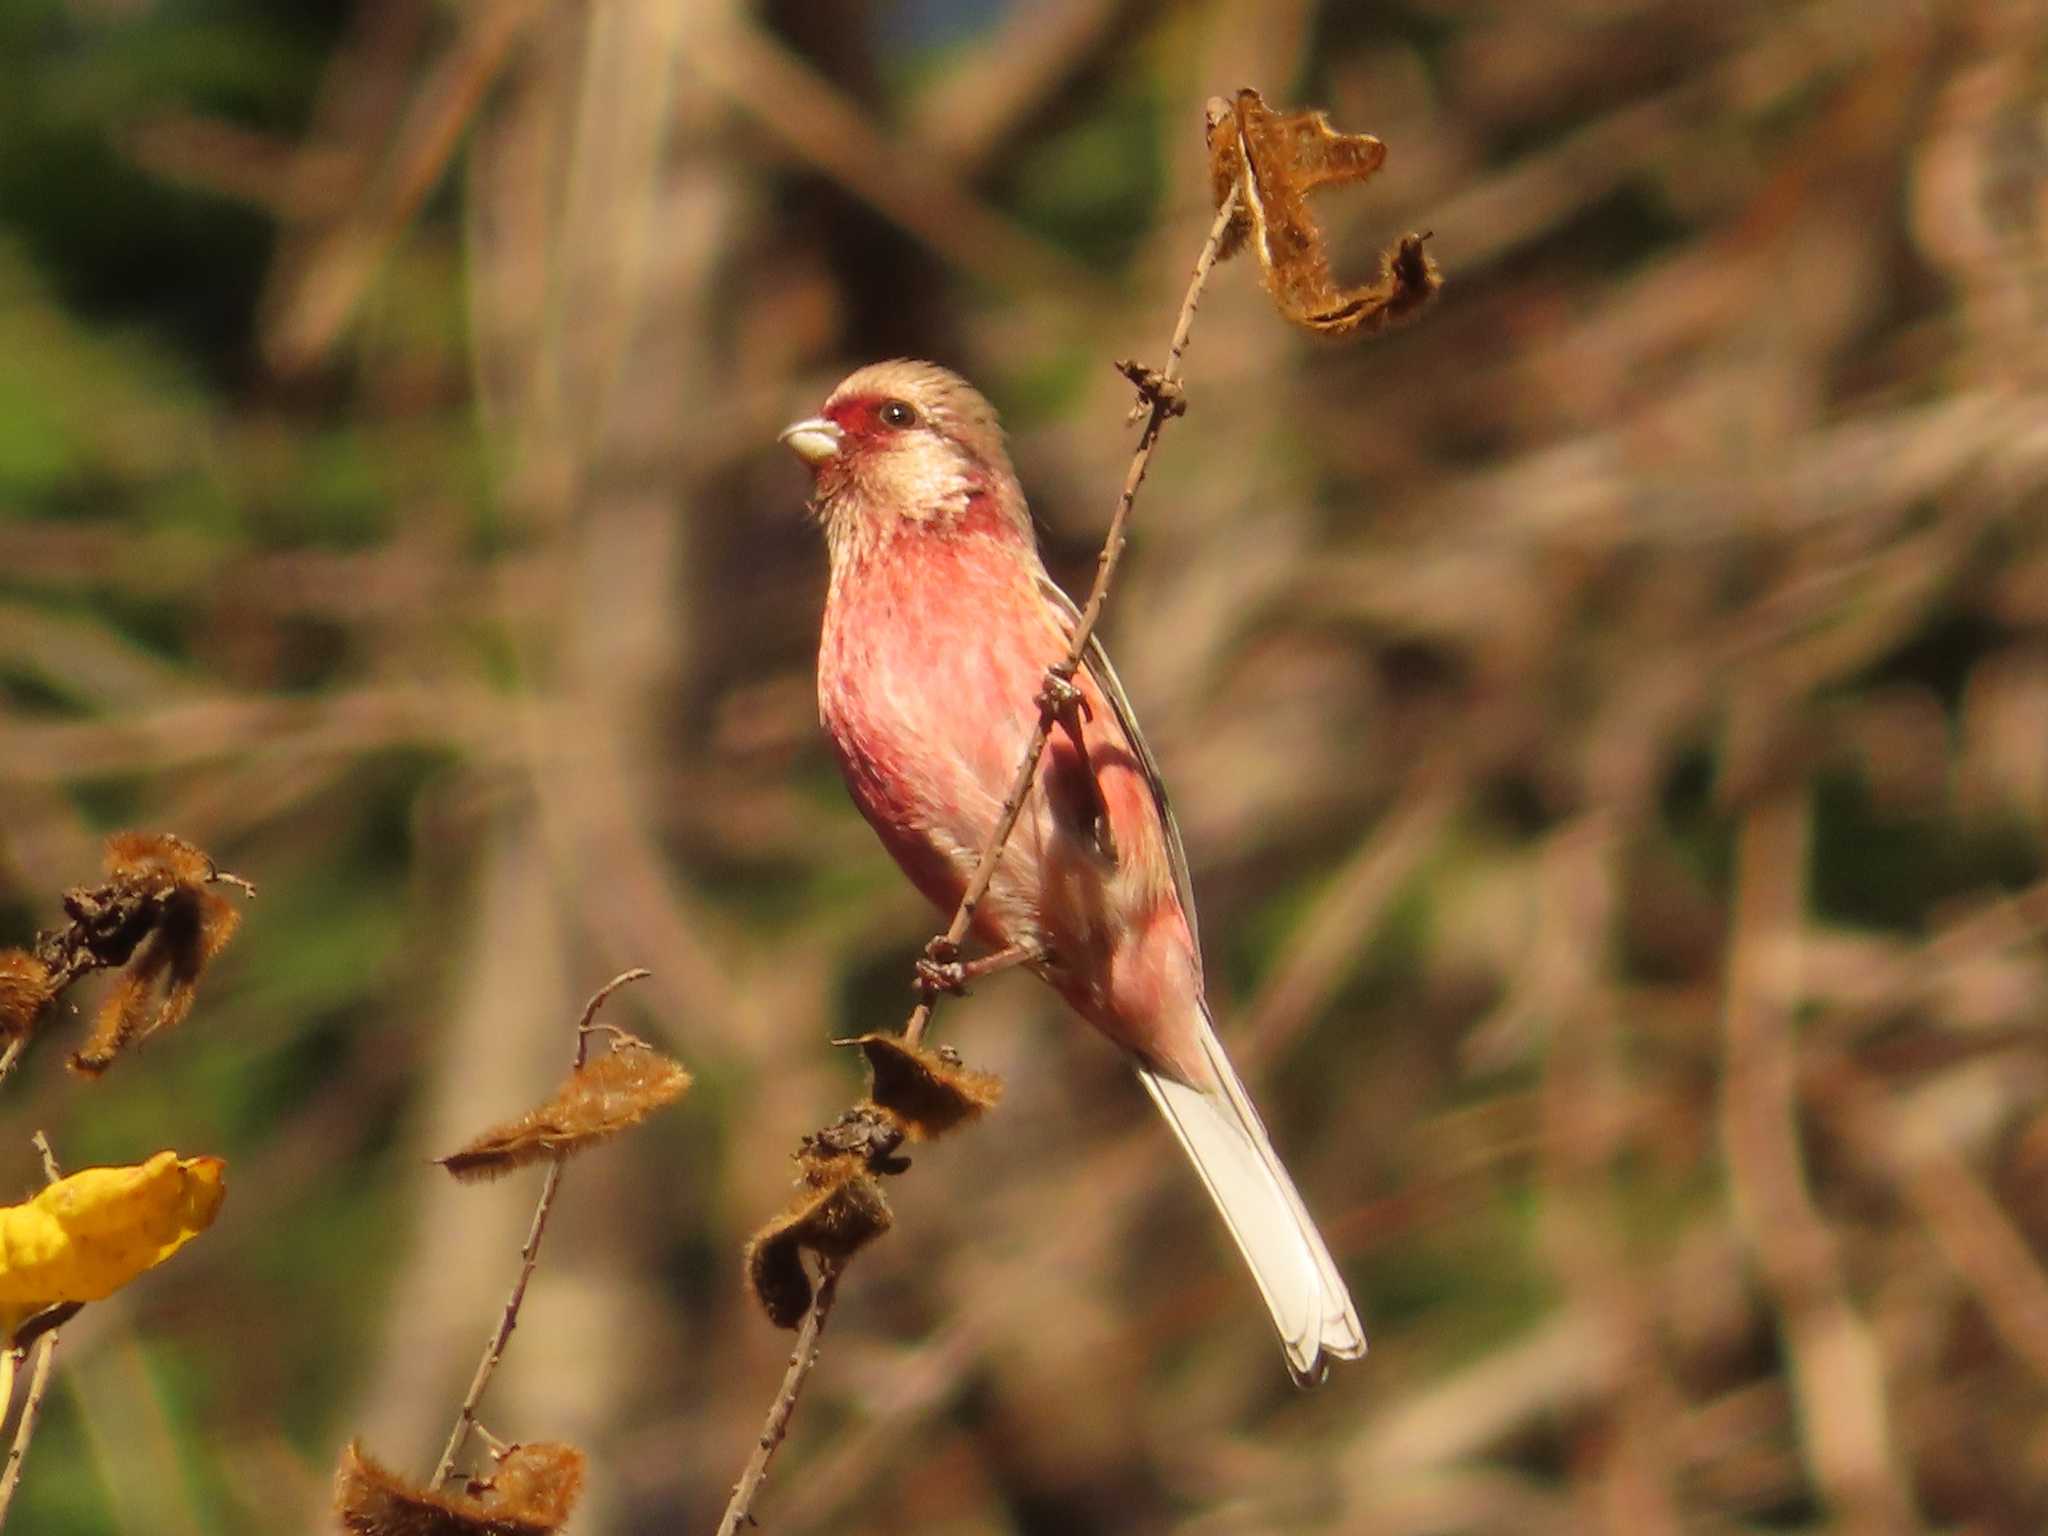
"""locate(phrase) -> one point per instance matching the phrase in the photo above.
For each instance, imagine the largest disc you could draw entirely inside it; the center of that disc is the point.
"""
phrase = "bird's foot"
(1060, 700)
(939, 969)
(941, 976)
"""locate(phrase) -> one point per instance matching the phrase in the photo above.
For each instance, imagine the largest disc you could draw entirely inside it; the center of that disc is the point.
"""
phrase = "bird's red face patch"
(873, 421)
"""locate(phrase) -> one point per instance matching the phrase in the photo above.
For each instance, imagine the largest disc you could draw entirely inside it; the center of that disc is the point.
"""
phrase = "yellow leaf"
(86, 1236)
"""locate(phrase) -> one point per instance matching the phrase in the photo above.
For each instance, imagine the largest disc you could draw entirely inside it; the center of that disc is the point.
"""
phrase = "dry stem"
(529, 1253)
(1836, 1372)
(39, 1378)
(739, 1510)
(1162, 397)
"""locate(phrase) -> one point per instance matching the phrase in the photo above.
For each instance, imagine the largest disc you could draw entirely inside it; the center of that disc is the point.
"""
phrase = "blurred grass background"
(1609, 719)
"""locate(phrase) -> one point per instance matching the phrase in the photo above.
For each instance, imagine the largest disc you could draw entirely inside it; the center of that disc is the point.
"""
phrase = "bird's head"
(910, 442)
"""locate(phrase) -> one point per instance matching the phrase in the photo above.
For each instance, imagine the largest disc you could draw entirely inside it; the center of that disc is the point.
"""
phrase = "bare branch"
(1161, 400)
(39, 1378)
(529, 1253)
(1161, 396)
(739, 1510)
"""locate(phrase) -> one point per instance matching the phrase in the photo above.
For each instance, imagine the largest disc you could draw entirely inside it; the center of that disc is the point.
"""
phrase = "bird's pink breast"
(935, 645)
(926, 673)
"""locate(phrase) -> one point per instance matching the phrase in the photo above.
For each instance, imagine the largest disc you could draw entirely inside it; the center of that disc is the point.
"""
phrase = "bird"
(940, 624)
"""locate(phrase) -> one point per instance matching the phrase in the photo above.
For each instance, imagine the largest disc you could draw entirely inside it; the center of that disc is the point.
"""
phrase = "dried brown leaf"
(599, 1099)
(530, 1495)
(775, 1271)
(834, 1222)
(25, 991)
(1275, 160)
(138, 856)
(192, 927)
(538, 1482)
(928, 1092)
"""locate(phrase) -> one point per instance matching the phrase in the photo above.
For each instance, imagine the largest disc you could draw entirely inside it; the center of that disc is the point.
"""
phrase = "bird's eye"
(895, 413)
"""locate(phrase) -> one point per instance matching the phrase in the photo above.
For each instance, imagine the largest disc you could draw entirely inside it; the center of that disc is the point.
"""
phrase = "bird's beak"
(814, 441)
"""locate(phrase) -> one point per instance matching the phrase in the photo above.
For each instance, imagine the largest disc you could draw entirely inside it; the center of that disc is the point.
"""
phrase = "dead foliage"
(833, 1220)
(155, 918)
(597, 1100)
(530, 1494)
(1274, 160)
(927, 1091)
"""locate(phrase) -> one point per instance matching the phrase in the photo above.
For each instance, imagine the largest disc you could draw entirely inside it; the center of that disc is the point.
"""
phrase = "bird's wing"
(1096, 660)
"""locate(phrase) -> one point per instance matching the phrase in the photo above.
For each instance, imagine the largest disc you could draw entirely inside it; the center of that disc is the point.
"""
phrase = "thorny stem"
(39, 1378)
(804, 1355)
(529, 1254)
(1162, 397)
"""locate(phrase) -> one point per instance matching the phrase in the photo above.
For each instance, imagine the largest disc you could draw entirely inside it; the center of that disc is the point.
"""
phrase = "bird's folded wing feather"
(1096, 660)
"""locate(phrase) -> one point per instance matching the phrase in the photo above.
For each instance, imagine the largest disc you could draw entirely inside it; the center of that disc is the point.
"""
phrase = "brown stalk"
(1839, 1386)
(821, 124)
(1974, 1234)
(1161, 395)
(739, 1509)
(529, 1253)
(1618, 1463)
(1163, 400)
(39, 1378)
(328, 277)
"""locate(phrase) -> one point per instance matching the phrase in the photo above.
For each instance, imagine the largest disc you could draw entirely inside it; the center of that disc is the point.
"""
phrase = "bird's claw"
(935, 976)
(939, 969)
(1062, 701)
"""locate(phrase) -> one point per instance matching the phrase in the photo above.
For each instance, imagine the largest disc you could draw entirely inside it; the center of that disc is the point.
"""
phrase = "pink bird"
(940, 623)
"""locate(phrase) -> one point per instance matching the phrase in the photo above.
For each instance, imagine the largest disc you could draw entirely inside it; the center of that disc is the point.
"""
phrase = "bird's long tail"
(1224, 1139)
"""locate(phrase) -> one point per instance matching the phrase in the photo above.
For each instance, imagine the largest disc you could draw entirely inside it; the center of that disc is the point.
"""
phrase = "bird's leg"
(1065, 704)
(939, 971)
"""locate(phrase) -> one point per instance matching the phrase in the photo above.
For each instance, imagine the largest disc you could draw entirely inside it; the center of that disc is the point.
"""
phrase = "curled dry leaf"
(531, 1494)
(928, 1092)
(156, 916)
(192, 928)
(600, 1098)
(1275, 160)
(86, 1236)
(541, 1481)
(25, 991)
(146, 856)
(834, 1220)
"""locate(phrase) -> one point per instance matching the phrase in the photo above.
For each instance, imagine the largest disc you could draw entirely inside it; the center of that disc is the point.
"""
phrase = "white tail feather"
(1224, 1139)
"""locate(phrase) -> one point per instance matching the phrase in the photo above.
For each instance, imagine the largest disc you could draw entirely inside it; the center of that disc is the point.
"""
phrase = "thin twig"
(1162, 395)
(529, 1253)
(39, 1378)
(31, 1409)
(1973, 1233)
(1837, 1375)
(11, 1057)
(803, 1356)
